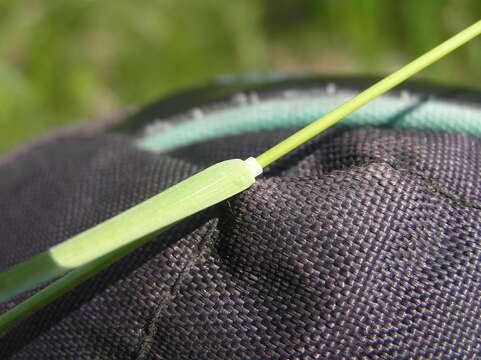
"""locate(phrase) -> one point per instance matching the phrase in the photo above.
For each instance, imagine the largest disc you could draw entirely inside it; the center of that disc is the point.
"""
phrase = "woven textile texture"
(364, 243)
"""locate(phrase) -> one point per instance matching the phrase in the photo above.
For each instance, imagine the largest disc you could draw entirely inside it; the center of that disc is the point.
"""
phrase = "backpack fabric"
(363, 243)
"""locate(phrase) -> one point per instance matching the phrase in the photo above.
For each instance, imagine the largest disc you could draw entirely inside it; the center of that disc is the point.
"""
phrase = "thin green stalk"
(66, 283)
(368, 95)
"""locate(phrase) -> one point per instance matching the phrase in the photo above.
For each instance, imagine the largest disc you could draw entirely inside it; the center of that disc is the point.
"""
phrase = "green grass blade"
(192, 195)
(368, 95)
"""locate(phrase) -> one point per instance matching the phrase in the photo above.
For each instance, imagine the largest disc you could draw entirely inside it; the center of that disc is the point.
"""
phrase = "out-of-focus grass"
(63, 61)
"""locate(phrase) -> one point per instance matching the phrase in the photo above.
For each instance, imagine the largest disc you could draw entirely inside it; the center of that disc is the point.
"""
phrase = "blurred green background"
(63, 61)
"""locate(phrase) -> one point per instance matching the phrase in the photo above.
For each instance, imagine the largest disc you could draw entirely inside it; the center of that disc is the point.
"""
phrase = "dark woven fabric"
(365, 243)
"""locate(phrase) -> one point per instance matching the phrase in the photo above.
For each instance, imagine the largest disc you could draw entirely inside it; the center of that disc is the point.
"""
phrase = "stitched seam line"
(152, 326)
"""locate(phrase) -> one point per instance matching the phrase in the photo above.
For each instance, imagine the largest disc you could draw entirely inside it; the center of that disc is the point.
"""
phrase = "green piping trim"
(387, 111)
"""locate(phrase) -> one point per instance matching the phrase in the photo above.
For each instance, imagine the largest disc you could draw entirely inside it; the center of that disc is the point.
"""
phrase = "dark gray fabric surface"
(365, 243)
